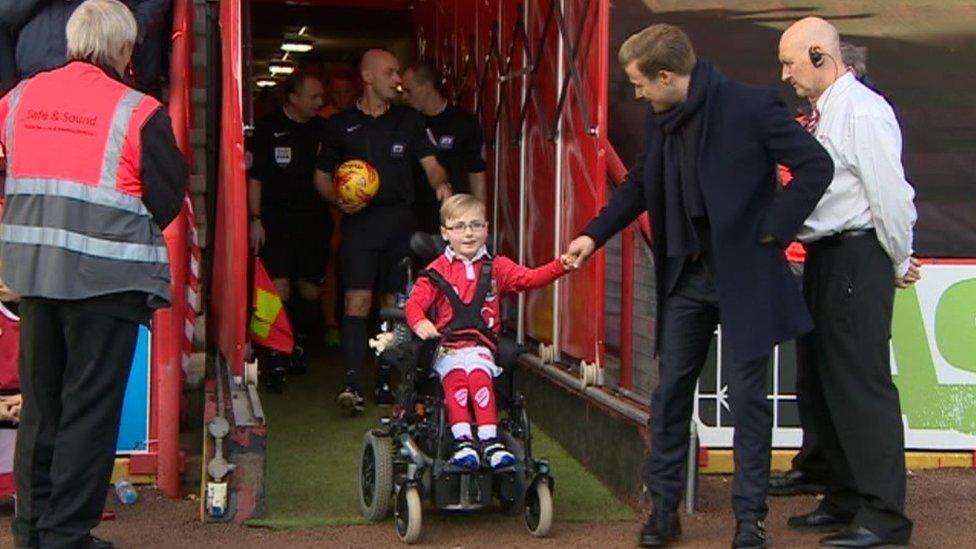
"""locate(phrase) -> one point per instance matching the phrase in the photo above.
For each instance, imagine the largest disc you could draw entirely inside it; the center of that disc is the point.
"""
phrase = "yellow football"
(356, 181)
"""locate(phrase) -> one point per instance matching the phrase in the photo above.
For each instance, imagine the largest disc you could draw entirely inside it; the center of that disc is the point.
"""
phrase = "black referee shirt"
(283, 160)
(393, 143)
(457, 136)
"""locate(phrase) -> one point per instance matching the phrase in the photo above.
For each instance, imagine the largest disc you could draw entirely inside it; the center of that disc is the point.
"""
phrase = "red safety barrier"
(229, 288)
(536, 74)
(168, 324)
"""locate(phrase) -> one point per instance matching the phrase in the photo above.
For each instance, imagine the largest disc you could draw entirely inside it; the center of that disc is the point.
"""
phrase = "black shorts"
(374, 243)
(297, 248)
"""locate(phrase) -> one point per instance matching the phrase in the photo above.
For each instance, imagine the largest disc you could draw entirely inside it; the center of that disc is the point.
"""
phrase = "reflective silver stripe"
(78, 191)
(116, 137)
(83, 244)
(11, 115)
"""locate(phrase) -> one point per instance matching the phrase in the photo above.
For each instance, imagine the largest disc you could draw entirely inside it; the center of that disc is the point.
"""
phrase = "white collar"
(451, 255)
(839, 86)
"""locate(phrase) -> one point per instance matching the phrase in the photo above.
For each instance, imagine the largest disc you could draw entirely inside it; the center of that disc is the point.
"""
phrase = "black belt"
(837, 238)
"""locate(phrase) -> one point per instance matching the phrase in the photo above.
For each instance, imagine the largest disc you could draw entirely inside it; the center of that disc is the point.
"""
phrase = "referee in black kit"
(457, 136)
(290, 226)
(375, 237)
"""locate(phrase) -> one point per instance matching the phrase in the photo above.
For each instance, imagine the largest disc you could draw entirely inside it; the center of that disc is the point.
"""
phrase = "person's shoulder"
(439, 264)
(502, 261)
(403, 112)
(465, 115)
(270, 120)
(750, 93)
(341, 120)
(865, 102)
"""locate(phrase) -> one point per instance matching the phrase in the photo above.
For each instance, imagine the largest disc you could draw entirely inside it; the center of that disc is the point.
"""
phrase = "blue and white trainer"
(466, 456)
(496, 455)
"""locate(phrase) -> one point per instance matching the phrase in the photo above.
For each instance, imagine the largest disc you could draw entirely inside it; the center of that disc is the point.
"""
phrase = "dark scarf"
(683, 200)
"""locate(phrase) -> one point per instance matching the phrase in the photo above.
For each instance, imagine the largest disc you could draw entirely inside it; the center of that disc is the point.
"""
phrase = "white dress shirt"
(859, 130)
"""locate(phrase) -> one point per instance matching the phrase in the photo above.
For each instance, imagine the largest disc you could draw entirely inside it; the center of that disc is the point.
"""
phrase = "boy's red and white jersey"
(507, 277)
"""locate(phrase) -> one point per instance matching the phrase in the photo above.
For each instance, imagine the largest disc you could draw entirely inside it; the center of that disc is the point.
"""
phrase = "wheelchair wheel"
(408, 514)
(538, 509)
(375, 476)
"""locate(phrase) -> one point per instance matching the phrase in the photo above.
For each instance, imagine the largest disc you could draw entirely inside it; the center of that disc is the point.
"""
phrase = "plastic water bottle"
(126, 492)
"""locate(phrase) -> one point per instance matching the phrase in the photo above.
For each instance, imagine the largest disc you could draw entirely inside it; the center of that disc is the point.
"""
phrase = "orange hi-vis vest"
(74, 225)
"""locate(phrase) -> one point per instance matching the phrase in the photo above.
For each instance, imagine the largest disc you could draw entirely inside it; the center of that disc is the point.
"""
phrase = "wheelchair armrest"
(508, 352)
(393, 314)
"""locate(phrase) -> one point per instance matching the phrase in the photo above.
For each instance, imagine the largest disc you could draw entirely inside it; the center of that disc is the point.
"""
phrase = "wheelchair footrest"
(462, 491)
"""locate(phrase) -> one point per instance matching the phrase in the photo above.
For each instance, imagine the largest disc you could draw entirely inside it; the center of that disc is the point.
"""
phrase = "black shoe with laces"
(661, 529)
(749, 534)
(794, 482)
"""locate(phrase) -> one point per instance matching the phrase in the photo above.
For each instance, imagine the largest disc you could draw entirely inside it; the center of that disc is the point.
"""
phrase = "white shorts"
(467, 359)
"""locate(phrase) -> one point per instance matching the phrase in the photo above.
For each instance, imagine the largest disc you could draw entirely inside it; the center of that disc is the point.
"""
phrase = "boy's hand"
(579, 250)
(425, 329)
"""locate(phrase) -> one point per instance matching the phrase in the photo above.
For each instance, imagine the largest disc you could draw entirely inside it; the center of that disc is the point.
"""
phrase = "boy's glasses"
(475, 226)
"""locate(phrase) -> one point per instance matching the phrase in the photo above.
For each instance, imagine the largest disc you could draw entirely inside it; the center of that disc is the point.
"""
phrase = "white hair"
(102, 32)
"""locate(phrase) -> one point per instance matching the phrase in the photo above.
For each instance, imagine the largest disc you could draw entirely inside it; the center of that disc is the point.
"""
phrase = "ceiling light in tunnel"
(297, 44)
(277, 68)
(266, 82)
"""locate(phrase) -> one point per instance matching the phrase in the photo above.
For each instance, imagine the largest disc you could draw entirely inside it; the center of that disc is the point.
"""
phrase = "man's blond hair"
(102, 32)
(659, 47)
(460, 204)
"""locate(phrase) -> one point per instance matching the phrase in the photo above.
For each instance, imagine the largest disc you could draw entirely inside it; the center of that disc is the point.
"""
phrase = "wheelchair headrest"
(427, 246)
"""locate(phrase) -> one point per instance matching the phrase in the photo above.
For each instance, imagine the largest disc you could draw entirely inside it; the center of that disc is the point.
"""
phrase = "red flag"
(269, 324)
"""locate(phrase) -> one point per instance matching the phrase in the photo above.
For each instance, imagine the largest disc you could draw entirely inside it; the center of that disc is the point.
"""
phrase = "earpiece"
(816, 56)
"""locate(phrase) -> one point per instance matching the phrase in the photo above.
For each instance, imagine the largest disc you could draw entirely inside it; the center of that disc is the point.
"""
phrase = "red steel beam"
(168, 323)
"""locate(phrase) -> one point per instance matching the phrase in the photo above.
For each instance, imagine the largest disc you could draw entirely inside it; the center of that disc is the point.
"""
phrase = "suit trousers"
(74, 367)
(690, 315)
(849, 285)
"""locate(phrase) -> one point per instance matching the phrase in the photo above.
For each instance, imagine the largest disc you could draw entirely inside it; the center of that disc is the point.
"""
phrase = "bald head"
(380, 72)
(812, 32)
(809, 51)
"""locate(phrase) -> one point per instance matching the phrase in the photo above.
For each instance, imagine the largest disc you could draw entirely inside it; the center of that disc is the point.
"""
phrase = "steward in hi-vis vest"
(93, 177)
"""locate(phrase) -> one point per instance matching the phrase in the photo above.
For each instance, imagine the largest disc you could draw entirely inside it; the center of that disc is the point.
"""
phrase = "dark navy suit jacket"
(746, 131)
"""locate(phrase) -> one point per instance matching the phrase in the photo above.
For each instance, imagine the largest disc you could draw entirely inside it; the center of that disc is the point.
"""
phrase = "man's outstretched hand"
(578, 251)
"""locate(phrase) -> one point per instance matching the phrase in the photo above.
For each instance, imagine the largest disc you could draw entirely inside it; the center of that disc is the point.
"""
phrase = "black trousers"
(810, 459)
(849, 285)
(74, 367)
(689, 317)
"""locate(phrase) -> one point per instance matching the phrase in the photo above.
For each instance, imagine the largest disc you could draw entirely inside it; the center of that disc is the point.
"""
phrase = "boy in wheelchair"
(463, 288)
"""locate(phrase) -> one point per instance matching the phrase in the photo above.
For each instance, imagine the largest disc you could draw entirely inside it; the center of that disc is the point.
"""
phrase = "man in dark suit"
(706, 176)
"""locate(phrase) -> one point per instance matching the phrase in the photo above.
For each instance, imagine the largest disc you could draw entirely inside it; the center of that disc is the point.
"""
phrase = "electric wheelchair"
(405, 460)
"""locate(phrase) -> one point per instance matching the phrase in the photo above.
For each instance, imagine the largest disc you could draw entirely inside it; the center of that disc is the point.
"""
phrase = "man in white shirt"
(859, 245)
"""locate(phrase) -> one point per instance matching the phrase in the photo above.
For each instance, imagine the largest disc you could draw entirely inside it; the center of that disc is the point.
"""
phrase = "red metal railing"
(628, 256)
(168, 324)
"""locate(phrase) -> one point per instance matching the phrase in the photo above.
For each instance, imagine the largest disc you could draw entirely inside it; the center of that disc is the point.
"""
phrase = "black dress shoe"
(660, 530)
(818, 519)
(91, 542)
(749, 535)
(794, 482)
(855, 536)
